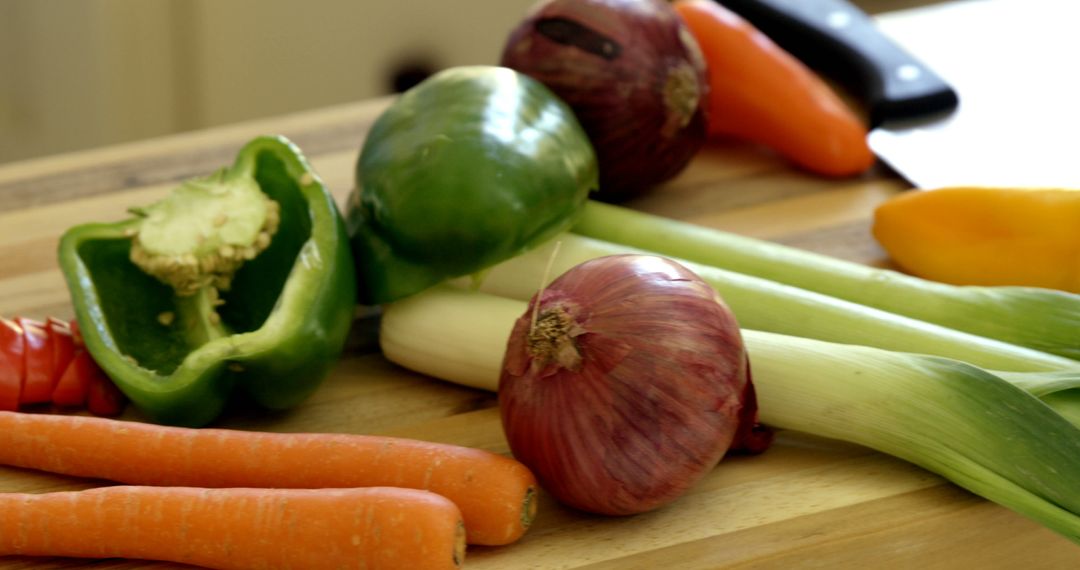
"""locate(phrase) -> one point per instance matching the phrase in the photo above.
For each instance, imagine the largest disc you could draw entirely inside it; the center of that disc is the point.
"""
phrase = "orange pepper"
(761, 93)
(985, 236)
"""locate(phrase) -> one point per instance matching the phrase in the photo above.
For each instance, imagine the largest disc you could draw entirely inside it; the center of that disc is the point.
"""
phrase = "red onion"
(625, 383)
(632, 73)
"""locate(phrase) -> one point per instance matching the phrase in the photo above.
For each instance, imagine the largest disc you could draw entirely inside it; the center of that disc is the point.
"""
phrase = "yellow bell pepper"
(985, 236)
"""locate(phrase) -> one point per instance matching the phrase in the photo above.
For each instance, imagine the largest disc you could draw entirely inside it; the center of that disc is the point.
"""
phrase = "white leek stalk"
(766, 305)
(1040, 319)
(966, 424)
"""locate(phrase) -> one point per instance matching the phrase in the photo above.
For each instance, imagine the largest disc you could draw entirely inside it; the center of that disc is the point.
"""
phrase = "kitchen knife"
(1001, 119)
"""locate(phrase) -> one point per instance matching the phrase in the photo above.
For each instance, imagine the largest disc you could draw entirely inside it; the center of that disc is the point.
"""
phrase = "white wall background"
(76, 74)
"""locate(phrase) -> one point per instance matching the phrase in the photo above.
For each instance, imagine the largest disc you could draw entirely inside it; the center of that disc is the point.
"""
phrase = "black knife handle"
(843, 43)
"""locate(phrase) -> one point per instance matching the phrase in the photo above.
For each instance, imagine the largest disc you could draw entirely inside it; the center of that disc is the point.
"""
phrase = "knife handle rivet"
(908, 72)
(838, 19)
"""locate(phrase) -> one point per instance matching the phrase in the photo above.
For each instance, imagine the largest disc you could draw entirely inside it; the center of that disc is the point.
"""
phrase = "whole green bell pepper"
(240, 281)
(473, 166)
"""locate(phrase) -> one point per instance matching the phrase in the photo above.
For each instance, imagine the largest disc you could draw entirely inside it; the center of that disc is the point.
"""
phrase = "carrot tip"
(530, 505)
(459, 545)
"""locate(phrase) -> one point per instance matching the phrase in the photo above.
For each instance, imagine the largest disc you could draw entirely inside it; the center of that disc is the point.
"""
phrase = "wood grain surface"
(806, 503)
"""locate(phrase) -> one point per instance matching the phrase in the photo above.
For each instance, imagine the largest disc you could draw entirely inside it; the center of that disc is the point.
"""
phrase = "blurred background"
(76, 74)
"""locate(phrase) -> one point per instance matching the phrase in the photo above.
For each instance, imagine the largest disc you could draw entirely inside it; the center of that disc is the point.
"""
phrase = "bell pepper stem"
(198, 316)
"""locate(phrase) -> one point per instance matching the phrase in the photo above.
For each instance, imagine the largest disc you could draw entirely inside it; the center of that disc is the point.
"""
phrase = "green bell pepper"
(242, 281)
(472, 166)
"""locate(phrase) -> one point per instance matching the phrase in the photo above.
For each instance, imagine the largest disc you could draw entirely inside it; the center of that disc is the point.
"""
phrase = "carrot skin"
(242, 529)
(496, 494)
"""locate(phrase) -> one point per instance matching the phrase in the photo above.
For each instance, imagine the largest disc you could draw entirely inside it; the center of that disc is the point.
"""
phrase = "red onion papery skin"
(661, 391)
(634, 77)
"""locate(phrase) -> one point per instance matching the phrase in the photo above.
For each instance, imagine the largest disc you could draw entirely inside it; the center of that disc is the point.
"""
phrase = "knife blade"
(947, 87)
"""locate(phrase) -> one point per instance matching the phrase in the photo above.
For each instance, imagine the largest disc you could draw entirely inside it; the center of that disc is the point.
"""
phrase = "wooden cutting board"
(806, 503)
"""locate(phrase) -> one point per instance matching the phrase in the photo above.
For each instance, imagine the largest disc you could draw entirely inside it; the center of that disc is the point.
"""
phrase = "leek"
(769, 306)
(1041, 319)
(973, 427)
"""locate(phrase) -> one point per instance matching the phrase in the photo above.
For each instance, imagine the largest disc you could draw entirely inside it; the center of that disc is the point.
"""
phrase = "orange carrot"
(243, 529)
(495, 493)
(761, 93)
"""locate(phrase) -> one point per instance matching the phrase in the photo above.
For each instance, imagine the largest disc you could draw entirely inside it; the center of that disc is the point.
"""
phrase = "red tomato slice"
(76, 334)
(104, 399)
(38, 362)
(73, 389)
(63, 345)
(12, 366)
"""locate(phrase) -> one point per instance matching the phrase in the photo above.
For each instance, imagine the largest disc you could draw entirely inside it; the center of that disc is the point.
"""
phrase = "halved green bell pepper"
(472, 166)
(242, 281)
